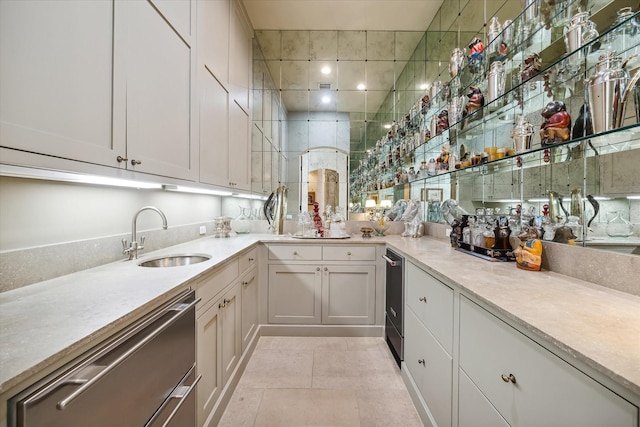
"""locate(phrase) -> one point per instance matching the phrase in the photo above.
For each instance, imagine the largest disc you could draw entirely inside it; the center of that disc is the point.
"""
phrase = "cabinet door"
(208, 361)
(432, 302)
(295, 294)
(158, 100)
(230, 330)
(544, 390)
(431, 368)
(240, 57)
(214, 129)
(249, 300)
(213, 37)
(239, 147)
(57, 82)
(348, 294)
(473, 407)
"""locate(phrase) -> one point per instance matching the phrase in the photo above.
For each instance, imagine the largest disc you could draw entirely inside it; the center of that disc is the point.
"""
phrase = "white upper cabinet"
(239, 149)
(214, 129)
(57, 79)
(158, 98)
(213, 38)
(240, 57)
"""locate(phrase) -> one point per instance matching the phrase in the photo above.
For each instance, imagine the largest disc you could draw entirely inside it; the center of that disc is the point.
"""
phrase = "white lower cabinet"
(527, 384)
(431, 368)
(339, 292)
(295, 293)
(226, 322)
(477, 410)
(249, 298)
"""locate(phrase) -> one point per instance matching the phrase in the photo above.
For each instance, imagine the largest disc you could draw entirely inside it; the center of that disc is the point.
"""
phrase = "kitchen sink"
(175, 260)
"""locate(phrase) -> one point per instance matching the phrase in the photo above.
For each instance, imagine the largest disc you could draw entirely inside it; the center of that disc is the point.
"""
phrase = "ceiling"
(386, 15)
(362, 41)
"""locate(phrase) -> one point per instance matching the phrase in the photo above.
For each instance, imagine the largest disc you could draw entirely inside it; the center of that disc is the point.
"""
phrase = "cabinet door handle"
(136, 162)
(508, 378)
(121, 159)
(423, 299)
(246, 282)
(421, 362)
(326, 269)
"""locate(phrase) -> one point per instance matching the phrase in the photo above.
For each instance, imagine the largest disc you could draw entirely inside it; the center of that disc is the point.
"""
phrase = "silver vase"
(522, 134)
(607, 91)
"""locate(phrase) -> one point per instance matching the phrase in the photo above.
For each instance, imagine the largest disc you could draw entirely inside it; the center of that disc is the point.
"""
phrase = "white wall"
(36, 212)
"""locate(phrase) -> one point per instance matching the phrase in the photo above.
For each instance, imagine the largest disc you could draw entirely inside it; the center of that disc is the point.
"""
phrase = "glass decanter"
(617, 226)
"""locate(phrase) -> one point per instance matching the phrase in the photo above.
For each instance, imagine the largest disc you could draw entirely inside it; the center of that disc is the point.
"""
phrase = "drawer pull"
(295, 252)
(349, 253)
(421, 362)
(317, 268)
(423, 299)
(326, 269)
(508, 378)
(250, 259)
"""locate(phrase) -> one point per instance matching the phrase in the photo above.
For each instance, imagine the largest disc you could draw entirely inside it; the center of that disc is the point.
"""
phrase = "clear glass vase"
(617, 226)
(242, 223)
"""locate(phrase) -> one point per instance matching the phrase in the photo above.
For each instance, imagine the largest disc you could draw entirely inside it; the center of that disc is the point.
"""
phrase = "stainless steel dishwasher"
(145, 376)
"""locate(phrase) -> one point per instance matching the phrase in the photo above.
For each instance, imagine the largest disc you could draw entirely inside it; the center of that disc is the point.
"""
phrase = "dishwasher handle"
(183, 308)
(391, 262)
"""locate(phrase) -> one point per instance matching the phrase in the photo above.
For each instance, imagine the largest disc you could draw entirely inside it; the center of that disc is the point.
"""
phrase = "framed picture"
(431, 195)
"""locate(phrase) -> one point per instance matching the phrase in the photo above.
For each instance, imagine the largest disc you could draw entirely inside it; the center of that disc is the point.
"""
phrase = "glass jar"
(242, 223)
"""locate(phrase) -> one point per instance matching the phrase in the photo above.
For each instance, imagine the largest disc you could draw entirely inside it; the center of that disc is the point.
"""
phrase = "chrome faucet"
(132, 249)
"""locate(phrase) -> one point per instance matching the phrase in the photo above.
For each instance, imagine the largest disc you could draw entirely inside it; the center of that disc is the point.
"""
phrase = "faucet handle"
(141, 244)
(125, 246)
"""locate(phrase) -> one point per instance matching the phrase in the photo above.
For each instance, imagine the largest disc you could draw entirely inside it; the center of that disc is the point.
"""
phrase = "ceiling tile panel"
(323, 45)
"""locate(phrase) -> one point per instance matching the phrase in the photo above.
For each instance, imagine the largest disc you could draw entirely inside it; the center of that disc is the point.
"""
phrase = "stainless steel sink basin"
(175, 260)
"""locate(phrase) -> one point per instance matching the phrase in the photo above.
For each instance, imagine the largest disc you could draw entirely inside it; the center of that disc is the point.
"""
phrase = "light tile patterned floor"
(308, 381)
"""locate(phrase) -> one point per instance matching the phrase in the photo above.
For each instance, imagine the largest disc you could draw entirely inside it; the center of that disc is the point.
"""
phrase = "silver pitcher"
(580, 31)
(495, 83)
(492, 35)
(607, 91)
(434, 125)
(522, 134)
(456, 62)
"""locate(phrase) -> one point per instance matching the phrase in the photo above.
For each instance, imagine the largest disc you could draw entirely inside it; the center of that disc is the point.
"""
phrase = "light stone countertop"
(595, 325)
(43, 323)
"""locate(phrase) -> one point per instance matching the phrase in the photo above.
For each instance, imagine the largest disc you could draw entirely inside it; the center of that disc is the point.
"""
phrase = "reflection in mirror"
(323, 179)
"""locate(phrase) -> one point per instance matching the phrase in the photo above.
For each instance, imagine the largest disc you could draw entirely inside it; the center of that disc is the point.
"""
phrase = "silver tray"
(322, 238)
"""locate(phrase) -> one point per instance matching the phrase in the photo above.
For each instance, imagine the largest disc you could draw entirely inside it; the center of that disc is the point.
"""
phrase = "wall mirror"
(374, 78)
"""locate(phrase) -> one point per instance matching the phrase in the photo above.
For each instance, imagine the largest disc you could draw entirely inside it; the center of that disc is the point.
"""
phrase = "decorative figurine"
(556, 125)
(532, 66)
(564, 234)
(476, 55)
(529, 255)
(476, 102)
(443, 121)
(426, 104)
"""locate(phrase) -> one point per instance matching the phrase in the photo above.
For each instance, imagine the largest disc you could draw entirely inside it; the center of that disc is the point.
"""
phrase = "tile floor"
(308, 381)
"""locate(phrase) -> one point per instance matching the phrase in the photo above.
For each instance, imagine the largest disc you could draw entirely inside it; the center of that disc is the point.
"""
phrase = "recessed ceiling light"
(361, 86)
(326, 69)
(387, 126)
(326, 99)
(424, 86)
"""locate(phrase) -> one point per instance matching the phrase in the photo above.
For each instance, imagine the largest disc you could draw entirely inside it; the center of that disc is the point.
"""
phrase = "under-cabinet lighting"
(634, 197)
(195, 190)
(53, 175)
(537, 200)
(504, 201)
(249, 196)
(601, 198)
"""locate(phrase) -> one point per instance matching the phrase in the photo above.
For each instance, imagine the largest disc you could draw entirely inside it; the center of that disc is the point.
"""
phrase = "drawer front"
(431, 368)
(213, 284)
(295, 252)
(349, 253)
(544, 390)
(248, 259)
(432, 302)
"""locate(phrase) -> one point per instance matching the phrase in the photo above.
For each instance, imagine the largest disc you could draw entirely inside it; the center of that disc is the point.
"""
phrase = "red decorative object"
(317, 219)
